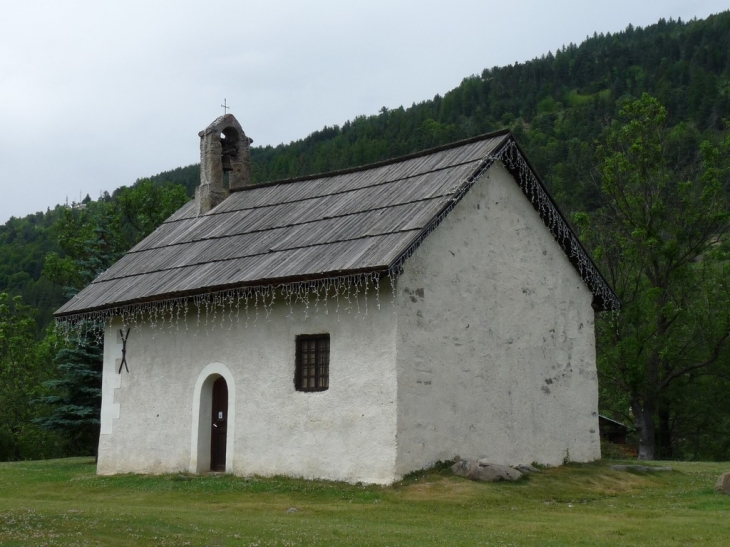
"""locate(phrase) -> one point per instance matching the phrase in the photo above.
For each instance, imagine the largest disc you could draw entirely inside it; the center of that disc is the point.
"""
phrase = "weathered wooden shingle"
(359, 220)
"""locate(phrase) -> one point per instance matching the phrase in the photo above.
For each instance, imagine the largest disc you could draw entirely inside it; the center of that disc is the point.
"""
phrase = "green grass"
(62, 502)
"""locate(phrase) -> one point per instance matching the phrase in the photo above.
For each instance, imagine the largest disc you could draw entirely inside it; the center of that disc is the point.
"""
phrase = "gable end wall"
(495, 344)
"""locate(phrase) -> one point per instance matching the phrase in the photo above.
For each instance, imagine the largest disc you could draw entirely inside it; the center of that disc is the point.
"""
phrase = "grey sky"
(95, 94)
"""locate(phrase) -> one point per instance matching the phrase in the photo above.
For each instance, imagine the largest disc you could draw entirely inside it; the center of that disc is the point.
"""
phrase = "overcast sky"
(96, 94)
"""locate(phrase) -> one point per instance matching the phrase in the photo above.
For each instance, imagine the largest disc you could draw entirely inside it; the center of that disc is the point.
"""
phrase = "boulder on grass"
(524, 469)
(723, 484)
(480, 470)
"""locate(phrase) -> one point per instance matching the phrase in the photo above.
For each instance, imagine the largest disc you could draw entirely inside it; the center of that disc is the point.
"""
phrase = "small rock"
(723, 484)
(527, 469)
(481, 470)
(292, 510)
(641, 468)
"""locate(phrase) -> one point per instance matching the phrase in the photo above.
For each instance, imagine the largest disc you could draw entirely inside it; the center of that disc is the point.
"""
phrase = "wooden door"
(218, 428)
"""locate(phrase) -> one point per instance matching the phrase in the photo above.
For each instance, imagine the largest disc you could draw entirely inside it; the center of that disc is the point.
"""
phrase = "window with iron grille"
(312, 362)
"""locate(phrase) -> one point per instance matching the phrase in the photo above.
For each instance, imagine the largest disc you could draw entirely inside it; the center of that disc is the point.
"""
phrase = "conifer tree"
(93, 239)
(76, 395)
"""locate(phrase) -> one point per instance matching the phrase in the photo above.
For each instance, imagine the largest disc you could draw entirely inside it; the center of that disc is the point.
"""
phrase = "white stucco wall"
(345, 433)
(495, 346)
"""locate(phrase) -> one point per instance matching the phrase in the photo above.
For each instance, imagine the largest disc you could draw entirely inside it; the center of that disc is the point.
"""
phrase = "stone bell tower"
(224, 150)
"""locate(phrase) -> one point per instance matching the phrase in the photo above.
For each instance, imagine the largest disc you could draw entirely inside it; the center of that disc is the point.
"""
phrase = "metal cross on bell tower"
(225, 107)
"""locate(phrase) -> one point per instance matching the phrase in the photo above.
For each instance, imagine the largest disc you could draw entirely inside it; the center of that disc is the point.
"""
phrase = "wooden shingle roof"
(342, 223)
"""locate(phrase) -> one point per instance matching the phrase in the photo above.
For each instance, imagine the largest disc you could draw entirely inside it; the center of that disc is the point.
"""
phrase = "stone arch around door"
(200, 437)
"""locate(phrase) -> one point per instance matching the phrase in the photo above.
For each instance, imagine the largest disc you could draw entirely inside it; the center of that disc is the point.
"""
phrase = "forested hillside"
(559, 107)
(24, 244)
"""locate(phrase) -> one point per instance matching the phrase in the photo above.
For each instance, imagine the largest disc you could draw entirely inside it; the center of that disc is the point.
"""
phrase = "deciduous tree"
(24, 366)
(660, 239)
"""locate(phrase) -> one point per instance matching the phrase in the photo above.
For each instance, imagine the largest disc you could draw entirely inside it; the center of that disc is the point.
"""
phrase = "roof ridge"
(382, 163)
(213, 212)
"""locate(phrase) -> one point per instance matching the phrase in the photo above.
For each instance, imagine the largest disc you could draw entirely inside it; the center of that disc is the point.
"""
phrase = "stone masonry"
(223, 141)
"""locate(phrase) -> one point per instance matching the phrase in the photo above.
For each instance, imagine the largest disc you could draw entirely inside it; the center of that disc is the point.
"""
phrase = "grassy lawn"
(62, 502)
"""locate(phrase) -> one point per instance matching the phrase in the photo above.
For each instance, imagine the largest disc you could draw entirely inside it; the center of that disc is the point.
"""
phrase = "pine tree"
(76, 398)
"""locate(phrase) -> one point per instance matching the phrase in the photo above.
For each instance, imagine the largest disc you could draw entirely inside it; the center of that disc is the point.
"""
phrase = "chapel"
(354, 325)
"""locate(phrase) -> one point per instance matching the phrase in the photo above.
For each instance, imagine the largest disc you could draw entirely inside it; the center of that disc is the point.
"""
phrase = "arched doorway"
(213, 428)
(219, 425)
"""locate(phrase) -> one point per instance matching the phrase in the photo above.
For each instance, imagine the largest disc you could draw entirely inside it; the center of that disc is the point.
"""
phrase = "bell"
(227, 167)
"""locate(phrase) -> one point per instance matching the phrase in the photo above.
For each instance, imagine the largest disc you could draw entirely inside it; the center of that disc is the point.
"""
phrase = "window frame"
(321, 369)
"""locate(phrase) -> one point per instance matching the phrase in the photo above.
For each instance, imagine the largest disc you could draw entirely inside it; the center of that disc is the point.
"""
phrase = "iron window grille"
(312, 362)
